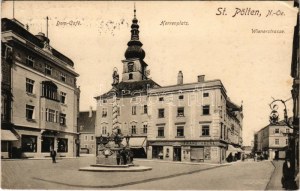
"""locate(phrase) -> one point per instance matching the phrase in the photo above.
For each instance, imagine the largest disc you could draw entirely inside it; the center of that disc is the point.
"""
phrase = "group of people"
(124, 157)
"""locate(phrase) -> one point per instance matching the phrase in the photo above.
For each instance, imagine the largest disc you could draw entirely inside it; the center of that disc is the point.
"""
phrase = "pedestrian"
(53, 155)
(123, 155)
(255, 157)
(118, 157)
(287, 179)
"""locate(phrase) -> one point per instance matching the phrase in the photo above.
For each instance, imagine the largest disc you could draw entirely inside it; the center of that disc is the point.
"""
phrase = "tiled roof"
(7, 24)
(86, 123)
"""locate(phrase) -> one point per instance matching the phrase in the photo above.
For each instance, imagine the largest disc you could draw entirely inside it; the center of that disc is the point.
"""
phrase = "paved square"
(43, 174)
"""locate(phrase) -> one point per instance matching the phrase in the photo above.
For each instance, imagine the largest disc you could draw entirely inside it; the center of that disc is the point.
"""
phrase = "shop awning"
(136, 142)
(7, 135)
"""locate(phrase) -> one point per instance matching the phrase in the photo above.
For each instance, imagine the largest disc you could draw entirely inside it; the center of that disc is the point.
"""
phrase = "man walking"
(53, 155)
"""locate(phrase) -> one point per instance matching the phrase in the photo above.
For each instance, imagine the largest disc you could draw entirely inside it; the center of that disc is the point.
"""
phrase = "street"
(43, 174)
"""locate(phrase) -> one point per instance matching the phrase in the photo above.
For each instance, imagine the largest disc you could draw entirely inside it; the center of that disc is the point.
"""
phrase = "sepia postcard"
(150, 95)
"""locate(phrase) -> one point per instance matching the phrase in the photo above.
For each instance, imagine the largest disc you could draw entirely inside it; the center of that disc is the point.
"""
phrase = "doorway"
(177, 154)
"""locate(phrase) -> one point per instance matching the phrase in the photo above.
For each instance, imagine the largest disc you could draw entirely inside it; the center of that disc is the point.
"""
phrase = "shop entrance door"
(177, 154)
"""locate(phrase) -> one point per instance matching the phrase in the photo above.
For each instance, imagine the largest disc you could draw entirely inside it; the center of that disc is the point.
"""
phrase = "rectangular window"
(118, 111)
(207, 95)
(85, 137)
(161, 132)
(62, 145)
(287, 130)
(92, 138)
(104, 112)
(180, 97)
(276, 141)
(286, 141)
(29, 143)
(63, 96)
(133, 110)
(205, 130)
(205, 110)
(56, 117)
(62, 119)
(145, 109)
(104, 130)
(276, 130)
(161, 113)
(180, 112)
(145, 129)
(48, 69)
(29, 61)
(29, 112)
(51, 115)
(63, 77)
(161, 99)
(133, 129)
(180, 131)
(29, 85)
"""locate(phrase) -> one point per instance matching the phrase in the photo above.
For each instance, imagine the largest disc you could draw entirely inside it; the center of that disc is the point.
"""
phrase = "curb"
(189, 163)
(271, 175)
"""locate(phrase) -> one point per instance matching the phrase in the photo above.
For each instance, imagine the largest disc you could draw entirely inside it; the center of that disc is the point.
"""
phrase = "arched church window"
(130, 76)
(130, 67)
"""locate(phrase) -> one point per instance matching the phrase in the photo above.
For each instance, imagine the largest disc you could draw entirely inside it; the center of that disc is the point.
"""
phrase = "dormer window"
(130, 67)
(130, 77)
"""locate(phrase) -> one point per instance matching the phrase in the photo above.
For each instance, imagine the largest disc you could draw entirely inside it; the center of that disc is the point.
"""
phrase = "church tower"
(134, 67)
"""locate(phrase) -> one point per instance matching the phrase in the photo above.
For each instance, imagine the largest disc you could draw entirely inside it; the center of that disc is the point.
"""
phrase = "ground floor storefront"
(188, 151)
(37, 143)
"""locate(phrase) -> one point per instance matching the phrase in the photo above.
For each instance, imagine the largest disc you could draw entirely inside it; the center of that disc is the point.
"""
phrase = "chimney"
(180, 78)
(201, 78)
(91, 111)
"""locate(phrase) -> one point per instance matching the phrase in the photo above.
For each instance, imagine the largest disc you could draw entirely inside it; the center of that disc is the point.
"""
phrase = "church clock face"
(130, 66)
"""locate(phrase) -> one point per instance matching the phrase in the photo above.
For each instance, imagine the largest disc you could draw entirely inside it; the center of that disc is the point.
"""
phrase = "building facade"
(43, 111)
(86, 124)
(184, 122)
(272, 140)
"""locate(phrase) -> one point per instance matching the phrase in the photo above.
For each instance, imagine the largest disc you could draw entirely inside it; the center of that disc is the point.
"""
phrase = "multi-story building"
(86, 124)
(45, 98)
(184, 122)
(272, 140)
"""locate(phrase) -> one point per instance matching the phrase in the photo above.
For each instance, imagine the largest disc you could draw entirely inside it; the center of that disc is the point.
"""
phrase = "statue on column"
(115, 77)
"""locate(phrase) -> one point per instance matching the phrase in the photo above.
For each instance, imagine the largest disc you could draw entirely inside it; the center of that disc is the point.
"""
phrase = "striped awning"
(7, 135)
(136, 142)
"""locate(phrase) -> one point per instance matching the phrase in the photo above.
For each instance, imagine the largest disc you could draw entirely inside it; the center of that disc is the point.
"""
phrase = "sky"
(254, 68)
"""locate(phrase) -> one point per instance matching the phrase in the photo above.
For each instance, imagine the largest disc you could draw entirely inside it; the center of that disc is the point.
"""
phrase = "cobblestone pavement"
(42, 174)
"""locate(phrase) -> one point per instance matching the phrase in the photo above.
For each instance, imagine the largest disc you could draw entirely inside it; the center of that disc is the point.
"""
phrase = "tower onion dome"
(134, 49)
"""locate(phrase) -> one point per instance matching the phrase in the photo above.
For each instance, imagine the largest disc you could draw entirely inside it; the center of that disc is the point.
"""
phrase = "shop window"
(29, 61)
(62, 145)
(29, 143)
(104, 112)
(4, 146)
(180, 112)
(205, 130)
(205, 110)
(133, 129)
(161, 132)
(133, 110)
(48, 70)
(29, 112)
(63, 96)
(29, 85)
(161, 113)
(47, 144)
(157, 152)
(145, 129)
(180, 131)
